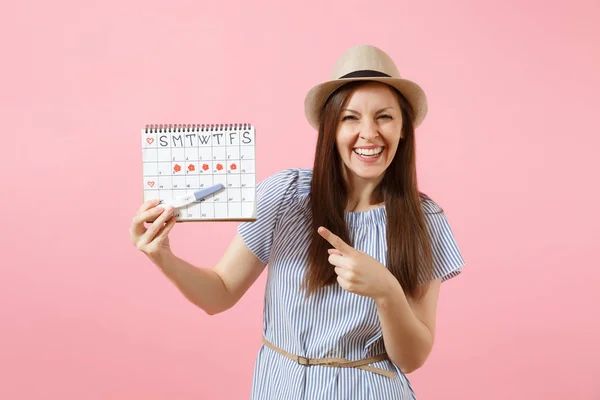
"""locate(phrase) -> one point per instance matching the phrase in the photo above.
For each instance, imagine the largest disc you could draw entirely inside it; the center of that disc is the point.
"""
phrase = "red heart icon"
(150, 140)
(151, 183)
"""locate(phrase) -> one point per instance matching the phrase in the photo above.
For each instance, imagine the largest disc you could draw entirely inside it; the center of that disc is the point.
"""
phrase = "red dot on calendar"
(219, 167)
(233, 166)
(205, 167)
(191, 167)
(177, 168)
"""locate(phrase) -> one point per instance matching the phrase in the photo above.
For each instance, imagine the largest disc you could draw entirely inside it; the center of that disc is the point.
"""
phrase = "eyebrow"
(378, 111)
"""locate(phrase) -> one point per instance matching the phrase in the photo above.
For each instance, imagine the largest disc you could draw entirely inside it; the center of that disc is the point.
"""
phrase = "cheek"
(392, 147)
(344, 141)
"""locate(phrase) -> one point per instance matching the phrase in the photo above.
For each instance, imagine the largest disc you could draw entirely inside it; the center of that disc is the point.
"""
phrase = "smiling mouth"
(369, 153)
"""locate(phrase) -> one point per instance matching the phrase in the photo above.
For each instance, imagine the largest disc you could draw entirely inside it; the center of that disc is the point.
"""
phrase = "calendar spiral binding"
(167, 128)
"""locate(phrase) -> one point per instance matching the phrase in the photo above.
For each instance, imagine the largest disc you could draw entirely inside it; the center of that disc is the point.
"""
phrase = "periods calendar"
(180, 160)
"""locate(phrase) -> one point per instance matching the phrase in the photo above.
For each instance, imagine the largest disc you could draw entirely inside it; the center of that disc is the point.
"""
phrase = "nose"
(368, 130)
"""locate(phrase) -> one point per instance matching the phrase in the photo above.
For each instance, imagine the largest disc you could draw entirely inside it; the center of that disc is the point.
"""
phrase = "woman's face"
(369, 130)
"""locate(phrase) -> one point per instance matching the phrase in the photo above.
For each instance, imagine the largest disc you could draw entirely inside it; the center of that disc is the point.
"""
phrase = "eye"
(386, 116)
(347, 117)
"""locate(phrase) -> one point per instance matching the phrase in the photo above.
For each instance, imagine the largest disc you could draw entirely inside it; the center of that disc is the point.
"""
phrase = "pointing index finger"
(334, 240)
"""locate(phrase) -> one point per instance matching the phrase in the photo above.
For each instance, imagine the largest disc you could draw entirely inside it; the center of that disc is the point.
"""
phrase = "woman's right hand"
(152, 240)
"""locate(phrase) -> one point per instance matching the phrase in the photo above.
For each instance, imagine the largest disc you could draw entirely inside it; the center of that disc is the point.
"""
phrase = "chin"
(368, 173)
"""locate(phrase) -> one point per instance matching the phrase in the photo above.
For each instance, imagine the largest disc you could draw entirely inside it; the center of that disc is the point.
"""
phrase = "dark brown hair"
(409, 255)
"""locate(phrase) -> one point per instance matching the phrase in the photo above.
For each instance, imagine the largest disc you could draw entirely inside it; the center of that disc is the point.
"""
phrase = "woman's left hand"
(357, 271)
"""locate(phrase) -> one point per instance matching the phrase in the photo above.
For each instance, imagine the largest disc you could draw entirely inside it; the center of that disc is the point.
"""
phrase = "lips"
(368, 155)
(368, 152)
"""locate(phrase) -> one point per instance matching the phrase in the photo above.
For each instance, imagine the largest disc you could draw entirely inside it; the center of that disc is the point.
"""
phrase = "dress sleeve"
(273, 195)
(447, 258)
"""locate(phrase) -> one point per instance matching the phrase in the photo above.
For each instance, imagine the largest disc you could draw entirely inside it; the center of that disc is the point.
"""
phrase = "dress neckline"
(373, 216)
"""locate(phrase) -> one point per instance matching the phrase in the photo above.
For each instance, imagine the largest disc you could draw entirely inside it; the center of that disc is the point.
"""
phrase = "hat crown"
(364, 58)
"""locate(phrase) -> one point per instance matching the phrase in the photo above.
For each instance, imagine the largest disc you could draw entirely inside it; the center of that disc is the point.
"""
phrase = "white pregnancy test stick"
(192, 198)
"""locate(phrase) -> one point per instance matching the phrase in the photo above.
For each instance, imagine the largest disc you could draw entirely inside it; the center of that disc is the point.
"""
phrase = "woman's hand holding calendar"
(152, 240)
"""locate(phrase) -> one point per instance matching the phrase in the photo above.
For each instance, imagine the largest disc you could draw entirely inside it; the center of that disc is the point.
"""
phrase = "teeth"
(369, 152)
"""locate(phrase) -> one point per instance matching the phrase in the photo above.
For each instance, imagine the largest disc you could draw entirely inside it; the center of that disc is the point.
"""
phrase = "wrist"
(163, 258)
(390, 291)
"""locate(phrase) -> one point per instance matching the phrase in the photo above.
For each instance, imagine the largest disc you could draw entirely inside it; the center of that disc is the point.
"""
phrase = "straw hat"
(360, 63)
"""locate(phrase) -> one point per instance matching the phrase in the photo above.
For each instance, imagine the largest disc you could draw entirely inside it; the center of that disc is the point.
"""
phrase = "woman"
(356, 253)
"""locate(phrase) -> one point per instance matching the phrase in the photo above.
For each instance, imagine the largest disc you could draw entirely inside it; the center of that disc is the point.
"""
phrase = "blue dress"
(336, 323)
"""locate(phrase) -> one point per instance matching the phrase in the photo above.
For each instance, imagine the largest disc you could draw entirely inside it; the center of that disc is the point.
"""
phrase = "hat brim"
(317, 96)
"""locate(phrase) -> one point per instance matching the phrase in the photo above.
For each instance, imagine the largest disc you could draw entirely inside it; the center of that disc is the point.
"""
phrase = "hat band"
(365, 73)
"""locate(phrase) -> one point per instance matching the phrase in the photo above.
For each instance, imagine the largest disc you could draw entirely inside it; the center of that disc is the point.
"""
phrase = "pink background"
(509, 149)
